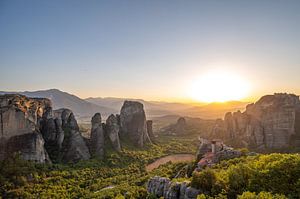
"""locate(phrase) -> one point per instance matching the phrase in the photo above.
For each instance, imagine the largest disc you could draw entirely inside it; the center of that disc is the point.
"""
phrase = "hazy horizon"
(195, 102)
(153, 50)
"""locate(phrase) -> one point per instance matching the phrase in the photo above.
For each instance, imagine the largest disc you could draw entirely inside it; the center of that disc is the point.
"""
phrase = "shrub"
(204, 180)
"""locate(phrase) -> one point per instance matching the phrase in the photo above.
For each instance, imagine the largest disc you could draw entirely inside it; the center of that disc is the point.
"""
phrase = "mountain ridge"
(85, 108)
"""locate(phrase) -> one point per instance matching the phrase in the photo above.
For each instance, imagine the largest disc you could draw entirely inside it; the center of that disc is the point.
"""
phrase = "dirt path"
(170, 158)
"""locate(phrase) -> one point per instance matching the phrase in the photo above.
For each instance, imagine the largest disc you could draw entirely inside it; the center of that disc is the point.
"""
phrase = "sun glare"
(219, 86)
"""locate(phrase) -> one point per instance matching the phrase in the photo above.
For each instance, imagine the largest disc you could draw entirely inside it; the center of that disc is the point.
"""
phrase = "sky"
(148, 49)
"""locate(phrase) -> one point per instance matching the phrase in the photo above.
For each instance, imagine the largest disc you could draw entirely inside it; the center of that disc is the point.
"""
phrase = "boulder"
(191, 193)
(133, 123)
(164, 187)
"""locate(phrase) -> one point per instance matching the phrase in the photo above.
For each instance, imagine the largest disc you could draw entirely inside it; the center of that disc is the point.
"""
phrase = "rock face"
(19, 127)
(63, 141)
(112, 129)
(31, 128)
(180, 126)
(150, 129)
(74, 147)
(97, 136)
(133, 123)
(213, 152)
(272, 122)
(164, 187)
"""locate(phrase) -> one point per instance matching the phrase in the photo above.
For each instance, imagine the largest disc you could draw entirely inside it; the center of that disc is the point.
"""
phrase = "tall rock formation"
(31, 128)
(19, 127)
(150, 129)
(133, 123)
(272, 122)
(179, 128)
(112, 130)
(97, 136)
(63, 141)
(74, 147)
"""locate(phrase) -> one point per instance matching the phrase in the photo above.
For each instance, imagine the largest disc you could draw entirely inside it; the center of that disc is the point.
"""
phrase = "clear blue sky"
(147, 49)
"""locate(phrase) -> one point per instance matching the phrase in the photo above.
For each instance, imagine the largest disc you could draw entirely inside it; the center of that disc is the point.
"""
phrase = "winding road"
(170, 158)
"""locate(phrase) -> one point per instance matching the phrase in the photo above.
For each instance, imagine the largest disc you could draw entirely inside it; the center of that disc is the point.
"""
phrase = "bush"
(263, 174)
(261, 195)
(204, 180)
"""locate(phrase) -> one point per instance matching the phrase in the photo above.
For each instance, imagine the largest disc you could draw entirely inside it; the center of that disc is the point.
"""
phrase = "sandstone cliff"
(30, 127)
(112, 129)
(272, 122)
(133, 123)
(19, 127)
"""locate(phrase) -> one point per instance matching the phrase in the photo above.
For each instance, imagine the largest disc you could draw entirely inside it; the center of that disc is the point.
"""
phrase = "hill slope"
(62, 99)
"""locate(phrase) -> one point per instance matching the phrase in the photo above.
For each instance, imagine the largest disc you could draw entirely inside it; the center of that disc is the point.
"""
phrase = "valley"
(127, 157)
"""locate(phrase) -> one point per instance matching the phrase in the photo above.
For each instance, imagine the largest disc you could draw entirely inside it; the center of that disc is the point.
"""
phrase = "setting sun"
(219, 86)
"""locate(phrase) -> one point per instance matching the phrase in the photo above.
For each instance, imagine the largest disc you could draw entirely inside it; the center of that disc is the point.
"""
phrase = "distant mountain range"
(85, 108)
(62, 99)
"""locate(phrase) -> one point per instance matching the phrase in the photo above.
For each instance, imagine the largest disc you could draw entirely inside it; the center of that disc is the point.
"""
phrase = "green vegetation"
(117, 175)
(274, 173)
(123, 175)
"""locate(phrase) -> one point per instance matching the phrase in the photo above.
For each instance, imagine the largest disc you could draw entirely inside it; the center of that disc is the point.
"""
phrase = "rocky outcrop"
(164, 187)
(74, 147)
(213, 152)
(112, 129)
(31, 128)
(204, 147)
(133, 123)
(149, 124)
(63, 141)
(19, 127)
(97, 136)
(179, 128)
(271, 122)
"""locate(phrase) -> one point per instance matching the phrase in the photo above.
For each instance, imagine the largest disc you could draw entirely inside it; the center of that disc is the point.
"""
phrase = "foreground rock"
(133, 123)
(273, 122)
(19, 127)
(164, 187)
